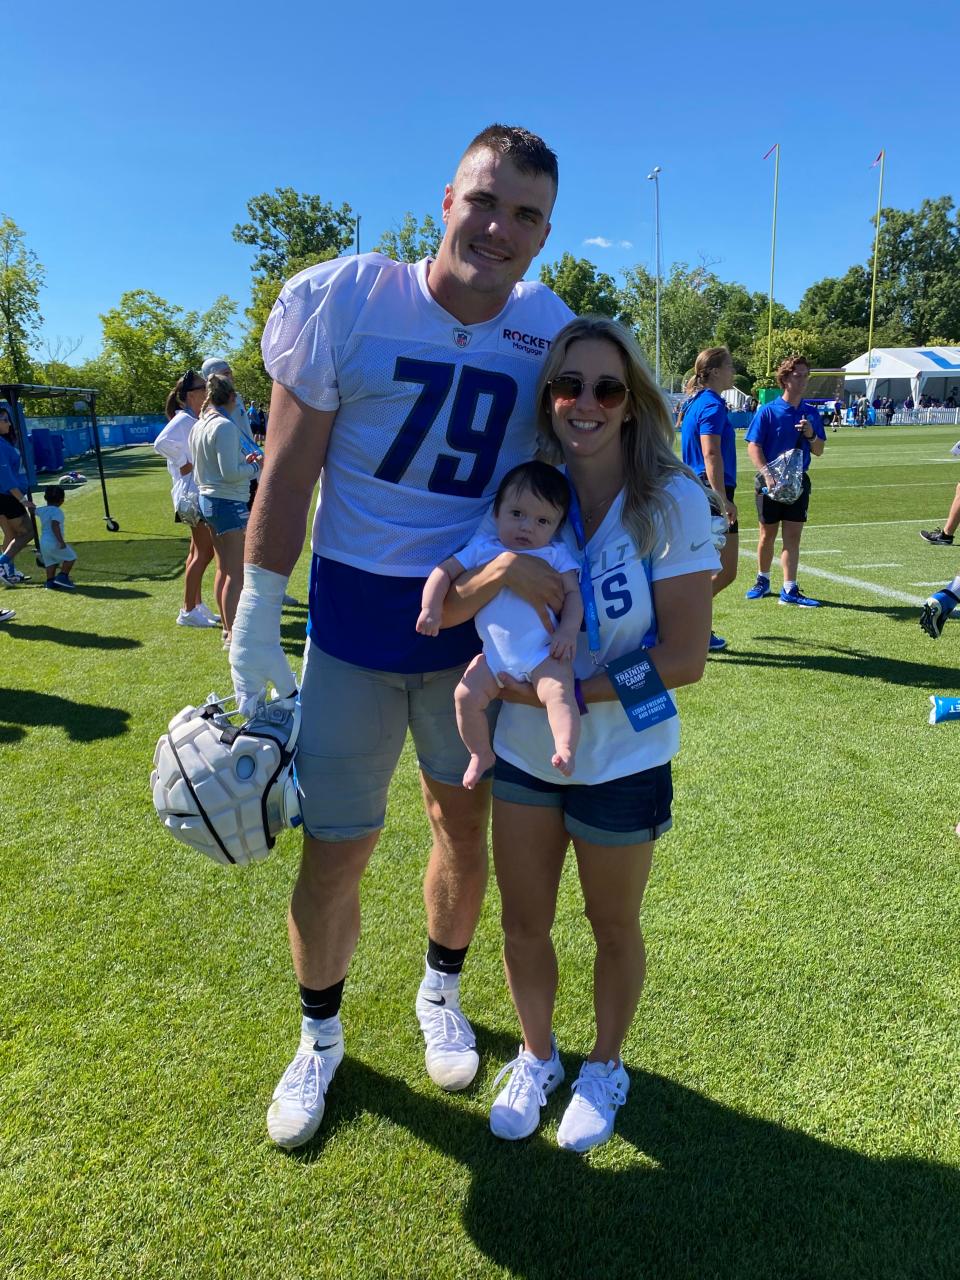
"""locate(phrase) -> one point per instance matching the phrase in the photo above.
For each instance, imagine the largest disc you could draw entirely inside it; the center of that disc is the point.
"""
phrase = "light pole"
(654, 177)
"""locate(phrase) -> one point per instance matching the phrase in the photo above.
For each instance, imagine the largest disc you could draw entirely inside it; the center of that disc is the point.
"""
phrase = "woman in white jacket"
(223, 472)
(173, 443)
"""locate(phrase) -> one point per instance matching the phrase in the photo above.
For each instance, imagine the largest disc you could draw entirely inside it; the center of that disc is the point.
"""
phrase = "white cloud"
(601, 242)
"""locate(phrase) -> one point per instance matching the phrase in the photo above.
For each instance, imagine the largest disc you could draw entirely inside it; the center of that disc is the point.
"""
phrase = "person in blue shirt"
(14, 503)
(708, 445)
(785, 423)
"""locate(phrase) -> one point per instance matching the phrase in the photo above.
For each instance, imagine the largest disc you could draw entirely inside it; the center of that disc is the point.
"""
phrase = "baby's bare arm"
(434, 593)
(563, 643)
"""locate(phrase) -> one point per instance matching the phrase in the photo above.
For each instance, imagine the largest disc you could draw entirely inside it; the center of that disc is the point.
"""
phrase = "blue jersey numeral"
(498, 391)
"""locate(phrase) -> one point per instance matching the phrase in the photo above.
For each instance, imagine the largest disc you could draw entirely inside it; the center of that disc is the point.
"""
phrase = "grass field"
(795, 1101)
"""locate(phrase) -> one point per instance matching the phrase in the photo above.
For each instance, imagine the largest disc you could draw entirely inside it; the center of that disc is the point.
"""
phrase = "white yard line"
(887, 564)
(886, 592)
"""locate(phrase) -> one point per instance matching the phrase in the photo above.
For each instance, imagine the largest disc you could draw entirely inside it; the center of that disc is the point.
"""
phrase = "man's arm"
(299, 437)
(526, 576)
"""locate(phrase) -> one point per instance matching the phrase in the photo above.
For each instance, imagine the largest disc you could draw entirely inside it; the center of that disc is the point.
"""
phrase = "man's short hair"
(529, 153)
(789, 365)
(213, 364)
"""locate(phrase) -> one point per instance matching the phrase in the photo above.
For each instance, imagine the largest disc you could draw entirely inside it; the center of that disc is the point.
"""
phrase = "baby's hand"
(428, 624)
(562, 647)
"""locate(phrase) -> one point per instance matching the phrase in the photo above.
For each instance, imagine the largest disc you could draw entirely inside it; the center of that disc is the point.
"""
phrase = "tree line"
(148, 341)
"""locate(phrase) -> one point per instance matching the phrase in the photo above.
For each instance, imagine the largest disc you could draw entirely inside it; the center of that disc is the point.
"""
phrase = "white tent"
(901, 371)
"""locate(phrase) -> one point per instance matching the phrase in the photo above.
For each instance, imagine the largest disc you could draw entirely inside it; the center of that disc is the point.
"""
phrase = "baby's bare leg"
(553, 682)
(473, 695)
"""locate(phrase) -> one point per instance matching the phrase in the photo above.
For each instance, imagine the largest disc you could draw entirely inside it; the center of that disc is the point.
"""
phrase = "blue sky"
(133, 139)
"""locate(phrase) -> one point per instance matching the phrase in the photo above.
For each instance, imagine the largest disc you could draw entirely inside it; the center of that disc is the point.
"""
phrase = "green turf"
(794, 1103)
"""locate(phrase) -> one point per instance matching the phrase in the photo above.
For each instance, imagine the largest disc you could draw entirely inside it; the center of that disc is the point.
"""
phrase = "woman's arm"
(230, 459)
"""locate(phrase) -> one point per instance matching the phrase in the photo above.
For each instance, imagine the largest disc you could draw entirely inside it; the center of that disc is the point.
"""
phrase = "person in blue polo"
(708, 445)
(784, 424)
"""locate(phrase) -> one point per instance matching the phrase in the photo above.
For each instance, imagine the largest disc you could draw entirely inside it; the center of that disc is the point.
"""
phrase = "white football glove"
(256, 655)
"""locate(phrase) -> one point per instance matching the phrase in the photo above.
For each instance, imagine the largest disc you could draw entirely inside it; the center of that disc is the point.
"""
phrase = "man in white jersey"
(410, 387)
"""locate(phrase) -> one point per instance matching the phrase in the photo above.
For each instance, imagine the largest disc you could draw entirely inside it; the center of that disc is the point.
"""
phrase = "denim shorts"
(223, 515)
(630, 810)
(355, 722)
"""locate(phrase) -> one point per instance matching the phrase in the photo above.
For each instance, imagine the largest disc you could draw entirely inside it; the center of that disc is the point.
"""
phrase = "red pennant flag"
(877, 161)
(772, 150)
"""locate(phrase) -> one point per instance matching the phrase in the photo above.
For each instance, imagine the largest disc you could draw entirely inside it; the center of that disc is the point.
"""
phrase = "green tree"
(687, 320)
(148, 342)
(408, 242)
(21, 279)
(584, 289)
(289, 226)
(918, 269)
(843, 300)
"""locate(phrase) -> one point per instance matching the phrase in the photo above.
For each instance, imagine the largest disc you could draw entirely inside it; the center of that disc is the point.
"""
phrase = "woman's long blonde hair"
(646, 438)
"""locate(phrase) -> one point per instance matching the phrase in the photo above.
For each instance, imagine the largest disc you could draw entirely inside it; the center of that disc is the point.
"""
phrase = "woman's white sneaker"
(516, 1109)
(213, 619)
(451, 1057)
(300, 1098)
(598, 1092)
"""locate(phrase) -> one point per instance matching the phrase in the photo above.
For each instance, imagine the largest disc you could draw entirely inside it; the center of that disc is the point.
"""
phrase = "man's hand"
(533, 580)
(521, 691)
(730, 511)
(256, 655)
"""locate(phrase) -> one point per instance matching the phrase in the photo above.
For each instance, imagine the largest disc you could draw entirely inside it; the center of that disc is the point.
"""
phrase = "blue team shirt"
(10, 465)
(706, 415)
(774, 428)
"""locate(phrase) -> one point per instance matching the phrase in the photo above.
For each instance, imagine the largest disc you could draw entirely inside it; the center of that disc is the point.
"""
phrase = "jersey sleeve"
(685, 542)
(295, 345)
(816, 421)
(712, 419)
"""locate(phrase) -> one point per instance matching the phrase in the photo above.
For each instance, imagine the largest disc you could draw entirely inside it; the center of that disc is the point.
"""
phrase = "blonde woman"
(224, 471)
(646, 525)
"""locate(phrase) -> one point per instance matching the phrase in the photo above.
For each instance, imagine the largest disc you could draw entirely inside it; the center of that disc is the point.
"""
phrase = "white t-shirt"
(514, 638)
(431, 413)
(609, 747)
(173, 443)
(47, 517)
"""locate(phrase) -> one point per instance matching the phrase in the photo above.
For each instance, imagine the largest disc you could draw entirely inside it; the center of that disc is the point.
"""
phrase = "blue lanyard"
(590, 614)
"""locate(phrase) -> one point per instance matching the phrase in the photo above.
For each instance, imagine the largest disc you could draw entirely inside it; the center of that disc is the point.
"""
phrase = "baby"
(529, 509)
(57, 554)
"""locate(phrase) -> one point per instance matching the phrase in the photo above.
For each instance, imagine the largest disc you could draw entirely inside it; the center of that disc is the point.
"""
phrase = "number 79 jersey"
(431, 414)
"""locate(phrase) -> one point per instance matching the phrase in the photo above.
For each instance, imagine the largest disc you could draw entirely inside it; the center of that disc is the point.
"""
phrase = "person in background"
(786, 423)
(14, 503)
(708, 445)
(173, 443)
(59, 558)
(224, 468)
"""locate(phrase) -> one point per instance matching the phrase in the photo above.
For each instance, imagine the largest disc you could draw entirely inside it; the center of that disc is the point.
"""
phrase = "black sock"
(321, 1004)
(445, 959)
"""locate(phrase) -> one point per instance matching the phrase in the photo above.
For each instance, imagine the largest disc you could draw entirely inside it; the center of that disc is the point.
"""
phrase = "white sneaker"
(451, 1056)
(299, 1099)
(213, 619)
(598, 1091)
(193, 618)
(516, 1109)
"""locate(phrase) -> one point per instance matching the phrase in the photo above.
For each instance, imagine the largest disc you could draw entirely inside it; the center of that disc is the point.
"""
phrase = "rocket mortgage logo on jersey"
(528, 343)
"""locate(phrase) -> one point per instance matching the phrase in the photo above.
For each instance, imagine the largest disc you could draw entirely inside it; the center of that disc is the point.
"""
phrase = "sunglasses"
(609, 393)
(191, 381)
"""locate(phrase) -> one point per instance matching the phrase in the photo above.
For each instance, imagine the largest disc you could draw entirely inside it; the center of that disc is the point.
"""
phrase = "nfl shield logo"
(461, 337)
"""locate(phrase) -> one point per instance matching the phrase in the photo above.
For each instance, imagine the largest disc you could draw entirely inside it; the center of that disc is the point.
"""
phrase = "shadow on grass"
(73, 639)
(839, 660)
(22, 710)
(156, 559)
(725, 1195)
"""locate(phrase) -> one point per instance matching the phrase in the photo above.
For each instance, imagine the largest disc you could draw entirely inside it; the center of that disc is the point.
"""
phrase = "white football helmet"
(225, 788)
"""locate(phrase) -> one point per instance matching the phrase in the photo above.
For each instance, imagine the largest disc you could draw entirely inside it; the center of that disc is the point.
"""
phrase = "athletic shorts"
(354, 725)
(731, 489)
(630, 810)
(771, 512)
(10, 507)
(224, 515)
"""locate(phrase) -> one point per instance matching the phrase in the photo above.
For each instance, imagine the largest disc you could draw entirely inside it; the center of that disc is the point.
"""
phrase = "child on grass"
(531, 505)
(57, 555)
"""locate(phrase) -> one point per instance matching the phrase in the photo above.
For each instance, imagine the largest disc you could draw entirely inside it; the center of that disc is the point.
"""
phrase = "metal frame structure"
(14, 393)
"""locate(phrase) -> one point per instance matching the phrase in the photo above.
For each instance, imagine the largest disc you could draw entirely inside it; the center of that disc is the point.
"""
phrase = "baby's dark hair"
(540, 479)
(54, 495)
